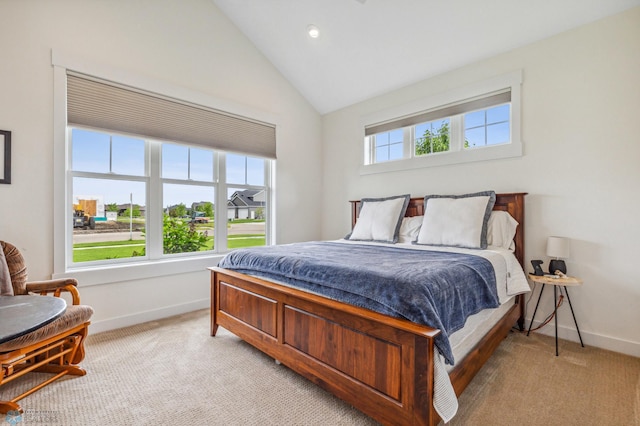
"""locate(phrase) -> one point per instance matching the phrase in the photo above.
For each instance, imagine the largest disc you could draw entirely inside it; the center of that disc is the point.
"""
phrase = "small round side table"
(556, 283)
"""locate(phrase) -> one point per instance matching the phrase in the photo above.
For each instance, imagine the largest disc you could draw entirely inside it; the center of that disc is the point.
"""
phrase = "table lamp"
(557, 247)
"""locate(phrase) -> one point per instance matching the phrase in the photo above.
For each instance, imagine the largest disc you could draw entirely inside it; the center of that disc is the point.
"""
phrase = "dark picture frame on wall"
(5, 156)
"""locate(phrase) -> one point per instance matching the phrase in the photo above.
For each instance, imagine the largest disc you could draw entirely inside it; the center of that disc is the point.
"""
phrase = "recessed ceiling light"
(313, 31)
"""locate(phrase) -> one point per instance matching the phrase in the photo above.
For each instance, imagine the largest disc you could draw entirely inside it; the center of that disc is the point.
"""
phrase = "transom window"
(478, 122)
(485, 127)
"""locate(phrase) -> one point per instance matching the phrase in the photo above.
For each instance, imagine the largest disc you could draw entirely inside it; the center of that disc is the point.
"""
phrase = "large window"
(474, 123)
(144, 175)
(116, 182)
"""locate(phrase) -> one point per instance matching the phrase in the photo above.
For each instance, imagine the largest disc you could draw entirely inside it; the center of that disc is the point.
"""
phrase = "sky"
(120, 161)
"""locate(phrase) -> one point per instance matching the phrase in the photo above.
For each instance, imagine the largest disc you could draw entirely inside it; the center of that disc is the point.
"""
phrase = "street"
(234, 229)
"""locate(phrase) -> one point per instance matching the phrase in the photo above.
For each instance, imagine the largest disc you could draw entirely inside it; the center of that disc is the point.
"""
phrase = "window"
(188, 199)
(474, 123)
(487, 127)
(140, 178)
(128, 120)
(432, 137)
(115, 182)
(484, 127)
(246, 201)
(389, 146)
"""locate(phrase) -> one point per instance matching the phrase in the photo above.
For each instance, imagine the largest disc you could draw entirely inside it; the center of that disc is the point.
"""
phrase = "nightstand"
(563, 282)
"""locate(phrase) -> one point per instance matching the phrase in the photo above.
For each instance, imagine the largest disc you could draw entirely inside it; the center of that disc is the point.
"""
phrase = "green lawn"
(86, 252)
(245, 240)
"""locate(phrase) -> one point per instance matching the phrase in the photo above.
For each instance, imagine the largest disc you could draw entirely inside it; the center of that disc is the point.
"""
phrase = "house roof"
(245, 199)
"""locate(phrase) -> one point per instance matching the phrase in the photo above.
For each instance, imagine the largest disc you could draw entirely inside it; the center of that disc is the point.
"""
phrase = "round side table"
(563, 282)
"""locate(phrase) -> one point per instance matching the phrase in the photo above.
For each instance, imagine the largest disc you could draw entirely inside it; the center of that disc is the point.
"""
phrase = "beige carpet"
(171, 372)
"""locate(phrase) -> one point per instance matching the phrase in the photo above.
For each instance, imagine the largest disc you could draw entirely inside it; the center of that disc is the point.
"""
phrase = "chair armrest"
(56, 287)
(50, 285)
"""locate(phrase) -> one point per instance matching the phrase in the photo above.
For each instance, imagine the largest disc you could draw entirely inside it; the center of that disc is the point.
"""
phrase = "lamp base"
(557, 265)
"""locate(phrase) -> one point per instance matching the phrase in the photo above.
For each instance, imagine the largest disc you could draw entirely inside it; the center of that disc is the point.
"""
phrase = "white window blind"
(105, 105)
(481, 102)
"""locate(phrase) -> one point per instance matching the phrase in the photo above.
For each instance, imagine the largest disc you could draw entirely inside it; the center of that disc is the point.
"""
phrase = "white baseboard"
(589, 339)
(567, 333)
(141, 317)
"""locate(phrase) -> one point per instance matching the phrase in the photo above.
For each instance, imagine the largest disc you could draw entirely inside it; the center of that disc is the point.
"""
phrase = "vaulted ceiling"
(370, 47)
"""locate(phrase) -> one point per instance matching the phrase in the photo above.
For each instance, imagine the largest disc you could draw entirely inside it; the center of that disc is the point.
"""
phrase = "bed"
(383, 365)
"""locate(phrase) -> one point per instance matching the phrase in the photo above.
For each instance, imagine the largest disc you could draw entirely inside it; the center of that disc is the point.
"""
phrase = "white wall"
(581, 98)
(580, 127)
(187, 43)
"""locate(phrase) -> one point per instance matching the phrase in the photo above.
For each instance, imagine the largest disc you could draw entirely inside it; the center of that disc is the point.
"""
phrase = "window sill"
(513, 149)
(138, 271)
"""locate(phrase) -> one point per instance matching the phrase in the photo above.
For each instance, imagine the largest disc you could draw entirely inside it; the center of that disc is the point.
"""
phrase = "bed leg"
(521, 317)
(213, 312)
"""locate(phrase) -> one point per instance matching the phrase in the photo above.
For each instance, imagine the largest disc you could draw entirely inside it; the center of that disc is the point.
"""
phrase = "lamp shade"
(558, 247)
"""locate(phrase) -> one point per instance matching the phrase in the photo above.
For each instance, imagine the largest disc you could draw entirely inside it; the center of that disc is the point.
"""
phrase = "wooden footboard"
(380, 365)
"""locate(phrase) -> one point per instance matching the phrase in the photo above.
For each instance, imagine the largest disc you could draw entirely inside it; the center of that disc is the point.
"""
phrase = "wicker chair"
(57, 347)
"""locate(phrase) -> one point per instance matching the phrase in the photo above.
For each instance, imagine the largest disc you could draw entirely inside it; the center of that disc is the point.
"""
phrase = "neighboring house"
(168, 209)
(247, 204)
(124, 207)
(195, 206)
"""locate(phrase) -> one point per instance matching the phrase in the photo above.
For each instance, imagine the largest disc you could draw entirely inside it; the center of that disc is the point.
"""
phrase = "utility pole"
(131, 216)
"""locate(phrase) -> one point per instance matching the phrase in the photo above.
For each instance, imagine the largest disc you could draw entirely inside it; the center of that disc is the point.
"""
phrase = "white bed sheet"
(476, 327)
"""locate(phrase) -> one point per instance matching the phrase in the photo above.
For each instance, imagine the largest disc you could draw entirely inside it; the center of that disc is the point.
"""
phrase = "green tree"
(438, 141)
(180, 237)
(178, 211)
(259, 213)
(136, 211)
(112, 207)
(207, 209)
(431, 142)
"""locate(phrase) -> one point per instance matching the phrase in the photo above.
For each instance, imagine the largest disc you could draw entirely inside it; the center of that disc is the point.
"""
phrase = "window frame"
(456, 154)
(89, 275)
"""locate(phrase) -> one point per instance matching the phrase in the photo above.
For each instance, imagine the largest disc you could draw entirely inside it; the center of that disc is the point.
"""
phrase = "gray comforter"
(438, 289)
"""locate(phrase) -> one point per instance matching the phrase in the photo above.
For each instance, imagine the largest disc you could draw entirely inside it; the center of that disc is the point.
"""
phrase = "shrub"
(181, 237)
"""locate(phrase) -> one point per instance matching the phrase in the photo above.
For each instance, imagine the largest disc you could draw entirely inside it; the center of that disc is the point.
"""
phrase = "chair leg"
(68, 369)
(6, 406)
(59, 357)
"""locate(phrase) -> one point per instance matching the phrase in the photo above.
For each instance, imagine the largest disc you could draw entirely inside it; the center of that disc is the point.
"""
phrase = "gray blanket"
(433, 288)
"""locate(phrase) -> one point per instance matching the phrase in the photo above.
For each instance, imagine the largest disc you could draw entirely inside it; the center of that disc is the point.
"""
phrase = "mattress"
(478, 325)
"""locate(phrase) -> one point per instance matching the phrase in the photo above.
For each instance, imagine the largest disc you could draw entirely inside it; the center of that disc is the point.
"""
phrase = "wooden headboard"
(512, 203)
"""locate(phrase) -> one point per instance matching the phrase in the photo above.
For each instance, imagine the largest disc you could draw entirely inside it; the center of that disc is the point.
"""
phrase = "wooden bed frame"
(381, 365)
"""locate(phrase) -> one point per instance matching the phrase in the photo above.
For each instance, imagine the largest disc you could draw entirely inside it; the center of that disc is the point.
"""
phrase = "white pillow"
(501, 229)
(409, 229)
(458, 221)
(380, 219)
